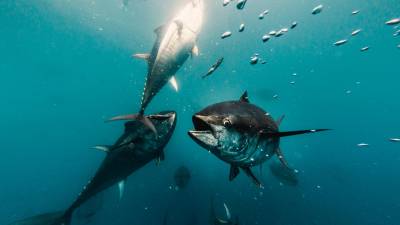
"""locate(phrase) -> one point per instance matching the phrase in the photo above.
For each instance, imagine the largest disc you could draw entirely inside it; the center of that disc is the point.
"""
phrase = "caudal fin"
(53, 218)
(139, 117)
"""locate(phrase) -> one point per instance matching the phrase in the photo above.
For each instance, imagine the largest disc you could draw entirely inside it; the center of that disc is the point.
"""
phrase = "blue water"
(65, 67)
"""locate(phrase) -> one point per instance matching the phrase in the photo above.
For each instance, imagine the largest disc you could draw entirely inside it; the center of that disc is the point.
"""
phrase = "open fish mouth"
(203, 132)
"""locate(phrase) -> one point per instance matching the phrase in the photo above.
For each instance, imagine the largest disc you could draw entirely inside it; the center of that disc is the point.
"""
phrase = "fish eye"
(227, 122)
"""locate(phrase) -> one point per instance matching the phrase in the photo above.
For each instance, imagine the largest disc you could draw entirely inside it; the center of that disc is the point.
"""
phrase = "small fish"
(285, 30)
(354, 33)
(398, 46)
(214, 67)
(241, 3)
(394, 21)
(363, 145)
(263, 62)
(397, 33)
(272, 33)
(279, 33)
(266, 12)
(355, 12)
(265, 38)
(317, 10)
(226, 34)
(226, 2)
(292, 82)
(241, 27)
(394, 139)
(294, 24)
(253, 60)
(261, 16)
(341, 42)
(364, 49)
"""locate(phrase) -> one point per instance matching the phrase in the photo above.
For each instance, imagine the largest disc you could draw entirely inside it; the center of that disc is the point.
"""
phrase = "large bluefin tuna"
(175, 42)
(241, 134)
(134, 149)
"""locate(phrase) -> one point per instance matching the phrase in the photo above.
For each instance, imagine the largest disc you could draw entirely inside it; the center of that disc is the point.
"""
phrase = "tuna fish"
(133, 150)
(182, 177)
(240, 134)
(175, 42)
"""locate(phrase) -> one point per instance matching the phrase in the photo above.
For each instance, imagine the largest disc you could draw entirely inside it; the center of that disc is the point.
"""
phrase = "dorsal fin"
(159, 29)
(279, 120)
(244, 97)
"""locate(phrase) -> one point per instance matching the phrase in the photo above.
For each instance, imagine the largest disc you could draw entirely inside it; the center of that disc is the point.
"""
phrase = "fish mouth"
(167, 118)
(164, 115)
(201, 125)
(203, 132)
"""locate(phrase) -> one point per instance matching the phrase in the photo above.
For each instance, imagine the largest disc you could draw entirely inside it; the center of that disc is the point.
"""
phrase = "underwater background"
(66, 66)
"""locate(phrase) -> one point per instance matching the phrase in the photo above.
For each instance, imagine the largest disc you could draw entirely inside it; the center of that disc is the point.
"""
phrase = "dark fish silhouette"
(134, 149)
(241, 134)
(215, 220)
(182, 177)
(213, 67)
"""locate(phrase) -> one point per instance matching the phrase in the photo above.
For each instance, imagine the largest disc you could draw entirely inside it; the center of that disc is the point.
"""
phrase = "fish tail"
(139, 117)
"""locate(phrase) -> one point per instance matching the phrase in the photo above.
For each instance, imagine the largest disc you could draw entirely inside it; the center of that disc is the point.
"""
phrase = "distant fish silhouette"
(182, 177)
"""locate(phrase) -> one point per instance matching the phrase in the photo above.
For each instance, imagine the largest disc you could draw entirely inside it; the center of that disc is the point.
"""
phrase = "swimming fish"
(317, 10)
(214, 67)
(394, 21)
(226, 34)
(133, 150)
(341, 42)
(240, 4)
(175, 42)
(182, 177)
(240, 134)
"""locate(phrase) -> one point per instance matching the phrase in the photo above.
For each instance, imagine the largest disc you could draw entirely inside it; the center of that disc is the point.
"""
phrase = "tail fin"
(291, 133)
(139, 117)
(53, 218)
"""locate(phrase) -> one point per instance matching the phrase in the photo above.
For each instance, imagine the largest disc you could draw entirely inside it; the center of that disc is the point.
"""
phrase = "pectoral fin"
(195, 50)
(159, 29)
(144, 56)
(121, 188)
(234, 171)
(249, 173)
(281, 158)
(174, 83)
(104, 148)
